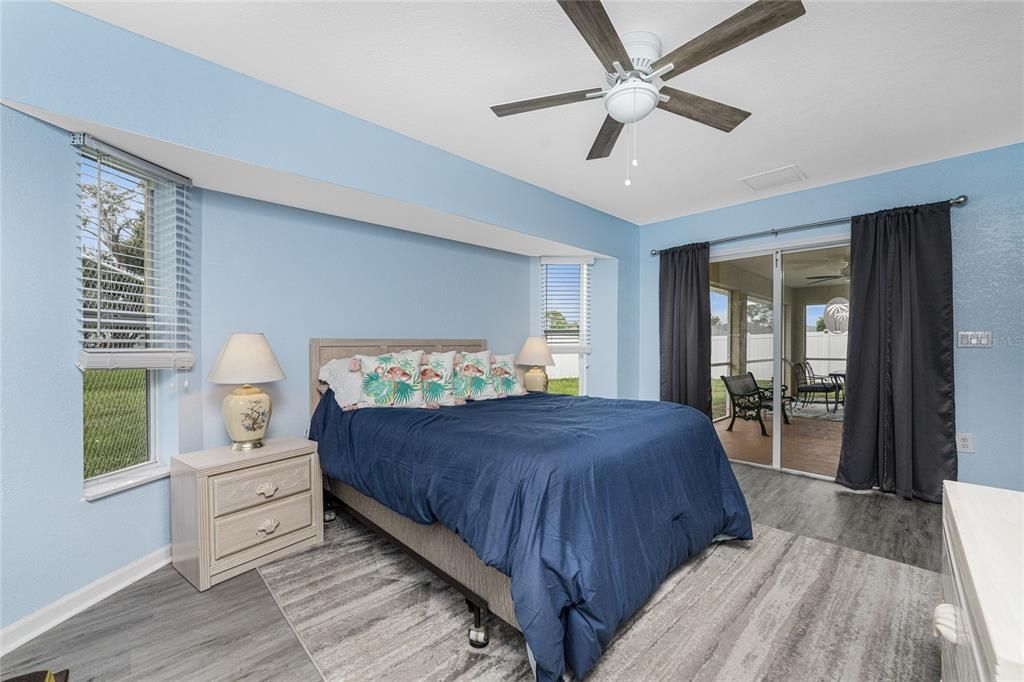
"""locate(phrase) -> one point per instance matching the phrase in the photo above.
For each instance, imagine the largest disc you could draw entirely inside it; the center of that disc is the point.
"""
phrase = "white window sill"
(119, 481)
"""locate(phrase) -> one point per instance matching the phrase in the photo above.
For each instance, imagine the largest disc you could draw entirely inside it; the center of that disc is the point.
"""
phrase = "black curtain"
(899, 429)
(684, 298)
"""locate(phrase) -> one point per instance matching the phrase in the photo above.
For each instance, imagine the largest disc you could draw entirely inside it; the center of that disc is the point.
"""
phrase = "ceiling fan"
(844, 273)
(636, 69)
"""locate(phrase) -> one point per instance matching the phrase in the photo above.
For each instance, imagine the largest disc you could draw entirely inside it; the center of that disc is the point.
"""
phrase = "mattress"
(585, 503)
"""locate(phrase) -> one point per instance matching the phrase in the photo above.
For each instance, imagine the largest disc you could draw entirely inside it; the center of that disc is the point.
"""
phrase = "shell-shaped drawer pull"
(944, 622)
(268, 526)
(267, 489)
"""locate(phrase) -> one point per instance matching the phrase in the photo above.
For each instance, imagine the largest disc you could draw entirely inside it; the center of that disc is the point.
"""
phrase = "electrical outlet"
(965, 442)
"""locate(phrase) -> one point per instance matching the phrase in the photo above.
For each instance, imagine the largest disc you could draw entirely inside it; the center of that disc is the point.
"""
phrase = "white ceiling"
(849, 89)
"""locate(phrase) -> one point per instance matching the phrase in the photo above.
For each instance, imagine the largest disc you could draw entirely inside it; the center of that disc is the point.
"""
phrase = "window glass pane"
(563, 308)
(564, 377)
(719, 351)
(116, 419)
(760, 323)
(119, 302)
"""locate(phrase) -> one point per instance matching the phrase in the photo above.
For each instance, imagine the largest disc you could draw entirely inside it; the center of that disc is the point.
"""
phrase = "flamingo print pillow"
(473, 377)
(392, 379)
(504, 377)
(437, 375)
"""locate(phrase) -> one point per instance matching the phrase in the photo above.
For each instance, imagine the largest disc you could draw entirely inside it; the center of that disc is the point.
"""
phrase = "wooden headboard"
(322, 351)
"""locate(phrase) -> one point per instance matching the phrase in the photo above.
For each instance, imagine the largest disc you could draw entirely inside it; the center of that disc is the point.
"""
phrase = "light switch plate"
(974, 339)
(965, 442)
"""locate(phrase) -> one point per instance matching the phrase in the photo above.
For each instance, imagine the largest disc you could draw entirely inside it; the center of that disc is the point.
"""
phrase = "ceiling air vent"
(774, 178)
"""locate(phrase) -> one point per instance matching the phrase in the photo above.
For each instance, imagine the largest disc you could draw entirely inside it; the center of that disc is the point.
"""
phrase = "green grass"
(719, 398)
(569, 386)
(115, 419)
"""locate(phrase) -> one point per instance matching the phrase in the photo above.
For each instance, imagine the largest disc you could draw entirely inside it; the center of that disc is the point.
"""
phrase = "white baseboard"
(35, 624)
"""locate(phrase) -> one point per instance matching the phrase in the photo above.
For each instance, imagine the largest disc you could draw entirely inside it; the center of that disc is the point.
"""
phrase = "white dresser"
(981, 619)
(233, 511)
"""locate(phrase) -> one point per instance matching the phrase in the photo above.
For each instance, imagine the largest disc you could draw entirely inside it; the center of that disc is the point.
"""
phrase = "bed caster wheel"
(478, 637)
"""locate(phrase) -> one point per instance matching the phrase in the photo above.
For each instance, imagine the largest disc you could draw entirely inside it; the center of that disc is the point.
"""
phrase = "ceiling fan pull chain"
(635, 149)
(628, 181)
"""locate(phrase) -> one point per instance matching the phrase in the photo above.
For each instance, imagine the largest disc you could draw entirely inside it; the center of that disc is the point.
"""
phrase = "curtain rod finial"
(654, 252)
(960, 200)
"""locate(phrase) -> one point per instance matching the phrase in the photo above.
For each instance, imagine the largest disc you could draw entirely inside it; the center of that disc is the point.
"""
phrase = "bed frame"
(486, 589)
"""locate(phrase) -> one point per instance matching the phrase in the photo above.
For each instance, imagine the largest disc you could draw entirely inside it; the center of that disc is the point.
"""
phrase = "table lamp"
(246, 359)
(536, 354)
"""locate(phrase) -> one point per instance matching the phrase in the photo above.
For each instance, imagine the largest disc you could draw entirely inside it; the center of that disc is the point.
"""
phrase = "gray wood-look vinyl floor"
(161, 628)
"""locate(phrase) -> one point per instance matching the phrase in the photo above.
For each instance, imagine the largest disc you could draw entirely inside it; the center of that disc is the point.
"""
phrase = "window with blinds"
(135, 312)
(134, 270)
(565, 304)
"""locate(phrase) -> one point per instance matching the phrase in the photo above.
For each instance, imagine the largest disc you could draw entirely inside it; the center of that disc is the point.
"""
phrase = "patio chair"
(839, 379)
(749, 400)
(807, 388)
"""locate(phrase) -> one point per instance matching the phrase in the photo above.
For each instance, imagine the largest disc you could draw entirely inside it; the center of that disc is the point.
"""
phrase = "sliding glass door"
(742, 356)
(816, 288)
(778, 356)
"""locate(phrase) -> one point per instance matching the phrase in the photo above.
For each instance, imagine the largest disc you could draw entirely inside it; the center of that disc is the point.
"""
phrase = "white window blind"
(134, 272)
(565, 304)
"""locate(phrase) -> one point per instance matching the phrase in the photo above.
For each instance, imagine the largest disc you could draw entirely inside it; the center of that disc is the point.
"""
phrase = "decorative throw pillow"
(346, 384)
(505, 377)
(473, 377)
(438, 378)
(392, 379)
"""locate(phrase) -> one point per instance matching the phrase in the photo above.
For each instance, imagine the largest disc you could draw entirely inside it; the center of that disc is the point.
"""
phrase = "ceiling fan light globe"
(630, 101)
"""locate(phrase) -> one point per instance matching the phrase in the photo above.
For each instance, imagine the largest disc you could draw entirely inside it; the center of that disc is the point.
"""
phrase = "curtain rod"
(956, 201)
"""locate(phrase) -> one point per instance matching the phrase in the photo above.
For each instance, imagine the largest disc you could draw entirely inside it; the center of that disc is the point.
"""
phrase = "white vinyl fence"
(826, 353)
(567, 366)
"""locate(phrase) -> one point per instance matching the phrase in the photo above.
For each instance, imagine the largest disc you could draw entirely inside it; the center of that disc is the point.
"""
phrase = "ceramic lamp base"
(536, 380)
(246, 417)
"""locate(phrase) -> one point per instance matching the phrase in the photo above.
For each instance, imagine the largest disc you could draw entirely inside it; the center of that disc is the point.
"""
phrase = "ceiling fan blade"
(824, 278)
(702, 110)
(591, 20)
(749, 23)
(606, 138)
(542, 102)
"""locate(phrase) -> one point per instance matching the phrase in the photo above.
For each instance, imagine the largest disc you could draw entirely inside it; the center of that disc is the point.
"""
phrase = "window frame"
(582, 349)
(156, 386)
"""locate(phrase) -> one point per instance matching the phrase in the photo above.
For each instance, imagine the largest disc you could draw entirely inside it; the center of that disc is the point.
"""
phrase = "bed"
(560, 515)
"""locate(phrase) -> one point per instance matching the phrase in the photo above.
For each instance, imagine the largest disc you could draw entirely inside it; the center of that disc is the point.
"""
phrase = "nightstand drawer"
(258, 485)
(272, 520)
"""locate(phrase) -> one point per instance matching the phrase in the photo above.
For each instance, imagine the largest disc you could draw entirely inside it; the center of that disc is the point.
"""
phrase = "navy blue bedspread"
(586, 503)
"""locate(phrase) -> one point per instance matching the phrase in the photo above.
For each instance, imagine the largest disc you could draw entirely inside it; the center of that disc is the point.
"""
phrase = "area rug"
(780, 607)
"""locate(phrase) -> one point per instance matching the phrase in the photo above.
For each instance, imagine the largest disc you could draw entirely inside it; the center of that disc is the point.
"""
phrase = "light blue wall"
(296, 275)
(988, 278)
(53, 542)
(50, 56)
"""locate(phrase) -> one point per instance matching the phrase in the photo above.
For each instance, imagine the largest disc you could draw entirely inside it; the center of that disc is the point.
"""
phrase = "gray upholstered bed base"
(439, 548)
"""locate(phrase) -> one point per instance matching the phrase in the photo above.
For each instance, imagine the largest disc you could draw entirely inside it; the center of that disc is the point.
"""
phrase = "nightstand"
(232, 511)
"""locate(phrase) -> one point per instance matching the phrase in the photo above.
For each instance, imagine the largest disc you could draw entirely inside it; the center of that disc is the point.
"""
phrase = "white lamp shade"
(535, 353)
(246, 358)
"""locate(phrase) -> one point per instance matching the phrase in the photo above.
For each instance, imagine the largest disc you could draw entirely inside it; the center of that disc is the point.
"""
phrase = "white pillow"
(505, 377)
(346, 384)
(392, 380)
(437, 377)
(473, 377)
